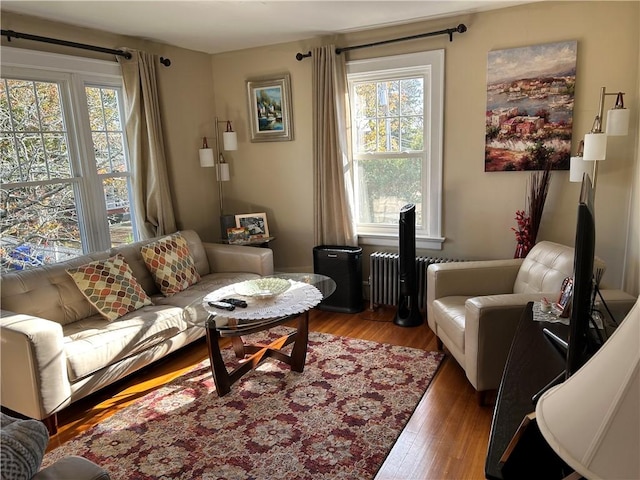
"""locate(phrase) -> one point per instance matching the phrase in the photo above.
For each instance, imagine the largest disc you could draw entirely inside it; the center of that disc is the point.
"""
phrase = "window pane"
(38, 225)
(385, 186)
(106, 129)
(412, 133)
(116, 194)
(412, 97)
(22, 104)
(50, 110)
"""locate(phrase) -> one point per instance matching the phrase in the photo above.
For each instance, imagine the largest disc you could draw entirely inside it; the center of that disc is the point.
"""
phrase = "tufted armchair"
(474, 307)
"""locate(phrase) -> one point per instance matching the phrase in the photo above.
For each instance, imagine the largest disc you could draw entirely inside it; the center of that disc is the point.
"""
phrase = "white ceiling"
(221, 26)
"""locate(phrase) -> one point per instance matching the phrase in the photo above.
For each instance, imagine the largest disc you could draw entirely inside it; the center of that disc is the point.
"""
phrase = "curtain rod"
(449, 31)
(36, 38)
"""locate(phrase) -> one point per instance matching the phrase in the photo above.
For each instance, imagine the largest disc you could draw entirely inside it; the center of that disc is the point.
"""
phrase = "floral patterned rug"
(336, 420)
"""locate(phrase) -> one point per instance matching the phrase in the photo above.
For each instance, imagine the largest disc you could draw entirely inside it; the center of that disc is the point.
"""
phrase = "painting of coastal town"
(270, 109)
(529, 117)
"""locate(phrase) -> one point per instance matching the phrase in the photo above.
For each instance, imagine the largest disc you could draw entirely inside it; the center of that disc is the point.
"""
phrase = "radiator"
(384, 279)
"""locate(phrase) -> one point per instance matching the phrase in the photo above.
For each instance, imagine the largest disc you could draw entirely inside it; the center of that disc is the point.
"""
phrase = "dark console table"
(532, 363)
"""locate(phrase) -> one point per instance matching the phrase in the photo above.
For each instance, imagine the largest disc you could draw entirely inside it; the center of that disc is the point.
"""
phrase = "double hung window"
(396, 123)
(64, 169)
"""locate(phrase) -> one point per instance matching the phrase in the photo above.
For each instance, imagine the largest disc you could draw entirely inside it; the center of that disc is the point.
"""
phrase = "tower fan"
(408, 314)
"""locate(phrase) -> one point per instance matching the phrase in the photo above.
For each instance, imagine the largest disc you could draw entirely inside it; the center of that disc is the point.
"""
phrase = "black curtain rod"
(36, 38)
(449, 31)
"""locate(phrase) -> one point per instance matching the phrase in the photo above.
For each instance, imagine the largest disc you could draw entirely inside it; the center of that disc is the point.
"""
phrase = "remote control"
(236, 302)
(222, 305)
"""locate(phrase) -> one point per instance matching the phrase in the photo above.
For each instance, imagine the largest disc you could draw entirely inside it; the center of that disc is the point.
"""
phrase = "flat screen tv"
(583, 341)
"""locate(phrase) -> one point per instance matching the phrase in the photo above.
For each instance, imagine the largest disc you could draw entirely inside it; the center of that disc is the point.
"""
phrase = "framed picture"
(270, 109)
(256, 223)
(563, 305)
(238, 235)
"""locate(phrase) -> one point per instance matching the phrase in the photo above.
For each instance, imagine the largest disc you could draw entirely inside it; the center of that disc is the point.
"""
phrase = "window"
(64, 172)
(396, 124)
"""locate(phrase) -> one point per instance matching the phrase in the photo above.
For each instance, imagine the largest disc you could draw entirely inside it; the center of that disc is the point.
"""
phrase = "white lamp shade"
(206, 157)
(592, 420)
(595, 146)
(618, 121)
(229, 141)
(223, 172)
(578, 167)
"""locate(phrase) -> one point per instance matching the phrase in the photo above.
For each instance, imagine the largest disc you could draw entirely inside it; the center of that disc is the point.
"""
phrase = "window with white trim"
(396, 123)
(64, 169)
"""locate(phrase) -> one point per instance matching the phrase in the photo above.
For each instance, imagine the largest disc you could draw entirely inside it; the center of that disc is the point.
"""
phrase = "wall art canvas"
(529, 117)
(270, 109)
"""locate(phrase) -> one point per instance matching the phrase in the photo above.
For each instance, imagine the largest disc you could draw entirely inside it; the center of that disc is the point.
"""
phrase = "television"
(583, 341)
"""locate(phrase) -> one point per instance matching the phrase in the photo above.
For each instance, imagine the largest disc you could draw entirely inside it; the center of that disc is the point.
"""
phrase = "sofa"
(474, 307)
(57, 346)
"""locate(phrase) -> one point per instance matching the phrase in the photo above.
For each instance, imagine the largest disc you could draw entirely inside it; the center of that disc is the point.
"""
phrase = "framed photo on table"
(563, 305)
(270, 109)
(255, 223)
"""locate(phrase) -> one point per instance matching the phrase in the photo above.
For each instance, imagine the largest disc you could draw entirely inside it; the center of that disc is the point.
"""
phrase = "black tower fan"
(408, 314)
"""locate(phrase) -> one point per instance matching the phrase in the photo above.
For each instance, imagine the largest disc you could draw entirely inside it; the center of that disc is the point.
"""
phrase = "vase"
(521, 250)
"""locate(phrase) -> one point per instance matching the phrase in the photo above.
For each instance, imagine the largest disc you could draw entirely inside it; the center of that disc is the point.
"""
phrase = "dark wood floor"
(446, 438)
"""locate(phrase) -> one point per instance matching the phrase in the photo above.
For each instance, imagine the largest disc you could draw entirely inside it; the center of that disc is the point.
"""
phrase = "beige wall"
(478, 207)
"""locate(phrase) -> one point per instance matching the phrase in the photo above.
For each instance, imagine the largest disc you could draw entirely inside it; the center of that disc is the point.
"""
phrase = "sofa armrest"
(490, 325)
(239, 258)
(33, 378)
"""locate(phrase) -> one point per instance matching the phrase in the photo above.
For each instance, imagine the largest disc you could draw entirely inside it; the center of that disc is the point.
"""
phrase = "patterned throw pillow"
(110, 287)
(170, 264)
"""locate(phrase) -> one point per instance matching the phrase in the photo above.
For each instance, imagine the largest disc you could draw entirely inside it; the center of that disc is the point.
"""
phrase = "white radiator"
(384, 279)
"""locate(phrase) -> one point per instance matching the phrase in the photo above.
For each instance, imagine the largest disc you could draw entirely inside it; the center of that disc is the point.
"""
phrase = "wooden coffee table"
(306, 291)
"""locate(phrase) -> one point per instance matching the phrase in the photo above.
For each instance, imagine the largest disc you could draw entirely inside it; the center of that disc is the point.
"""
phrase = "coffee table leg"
(299, 352)
(219, 371)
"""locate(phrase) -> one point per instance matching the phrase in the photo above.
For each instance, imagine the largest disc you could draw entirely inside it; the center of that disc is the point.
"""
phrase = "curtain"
(153, 208)
(333, 183)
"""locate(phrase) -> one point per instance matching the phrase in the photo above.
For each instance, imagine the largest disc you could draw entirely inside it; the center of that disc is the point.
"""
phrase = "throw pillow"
(110, 287)
(170, 264)
(22, 446)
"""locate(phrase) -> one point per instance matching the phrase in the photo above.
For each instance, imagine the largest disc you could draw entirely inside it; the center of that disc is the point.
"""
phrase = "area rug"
(336, 420)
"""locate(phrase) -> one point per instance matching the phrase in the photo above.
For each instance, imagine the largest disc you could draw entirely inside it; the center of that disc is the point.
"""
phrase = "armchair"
(474, 307)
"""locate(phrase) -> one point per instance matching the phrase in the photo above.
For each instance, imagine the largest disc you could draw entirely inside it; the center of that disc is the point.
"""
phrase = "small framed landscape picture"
(255, 223)
(237, 235)
(270, 109)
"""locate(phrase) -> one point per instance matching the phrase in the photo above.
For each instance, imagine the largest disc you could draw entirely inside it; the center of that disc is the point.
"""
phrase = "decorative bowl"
(263, 287)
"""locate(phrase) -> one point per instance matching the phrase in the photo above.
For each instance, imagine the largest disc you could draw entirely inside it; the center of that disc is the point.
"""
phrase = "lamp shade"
(618, 121)
(223, 172)
(230, 141)
(578, 167)
(595, 146)
(206, 157)
(592, 420)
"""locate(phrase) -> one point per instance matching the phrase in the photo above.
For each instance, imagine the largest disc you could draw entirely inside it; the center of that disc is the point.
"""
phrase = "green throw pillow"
(22, 446)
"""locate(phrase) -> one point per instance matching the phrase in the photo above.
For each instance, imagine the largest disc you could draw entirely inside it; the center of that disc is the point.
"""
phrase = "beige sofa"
(56, 348)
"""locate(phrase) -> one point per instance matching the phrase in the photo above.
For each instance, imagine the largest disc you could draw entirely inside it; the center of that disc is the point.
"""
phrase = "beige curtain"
(333, 198)
(153, 208)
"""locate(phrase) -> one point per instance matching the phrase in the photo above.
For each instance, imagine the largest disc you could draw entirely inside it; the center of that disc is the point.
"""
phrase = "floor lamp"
(211, 158)
(595, 142)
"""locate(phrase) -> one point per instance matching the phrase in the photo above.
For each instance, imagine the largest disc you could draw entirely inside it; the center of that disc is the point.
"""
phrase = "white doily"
(299, 298)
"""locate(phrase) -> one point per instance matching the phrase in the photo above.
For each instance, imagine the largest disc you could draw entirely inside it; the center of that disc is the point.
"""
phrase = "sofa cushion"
(170, 263)
(110, 286)
(22, 446)
(92, 344)
(544, 268)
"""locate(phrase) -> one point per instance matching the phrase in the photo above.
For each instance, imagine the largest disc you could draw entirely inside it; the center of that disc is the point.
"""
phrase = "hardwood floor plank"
(446, 437)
